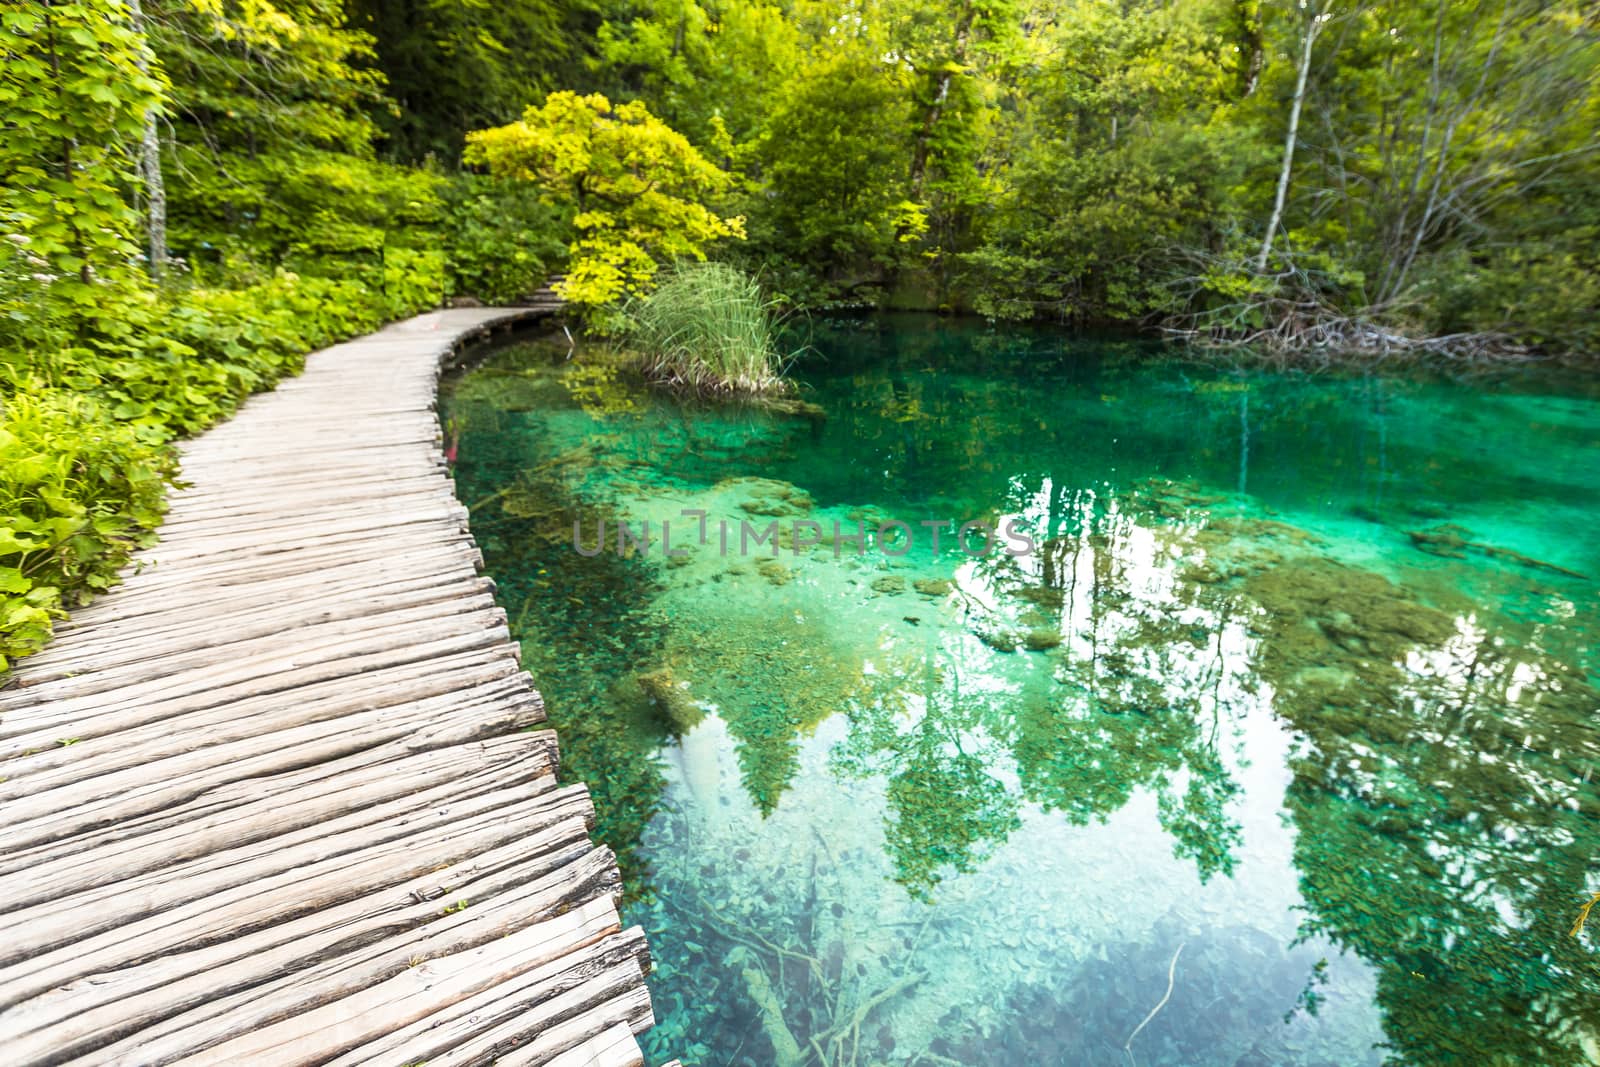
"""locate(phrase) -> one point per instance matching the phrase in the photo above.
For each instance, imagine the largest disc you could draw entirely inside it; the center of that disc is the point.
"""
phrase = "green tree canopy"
(641, 191)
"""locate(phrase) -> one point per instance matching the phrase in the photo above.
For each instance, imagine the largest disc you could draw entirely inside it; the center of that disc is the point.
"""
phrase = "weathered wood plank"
(253, 623)
(616, 1047)
(441, 978)
(505, 1005)
(215, 718)
(509, 887)
(364, 785)
(273, 800)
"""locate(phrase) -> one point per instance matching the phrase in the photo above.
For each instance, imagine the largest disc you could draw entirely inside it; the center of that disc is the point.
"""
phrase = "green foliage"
(707, 327)
(74, 98)
(710, 71)
(503, 240)
(1087, 161)
(274, 142)
(85, 429)
(638, 187)
(1532, 289)
(1110, 165)
(78, 491)
(272, 75)
(457, 65)
(1451, 138)
(836, 200)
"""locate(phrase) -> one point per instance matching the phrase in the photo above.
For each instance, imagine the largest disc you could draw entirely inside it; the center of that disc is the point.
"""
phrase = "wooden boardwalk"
(274, 800)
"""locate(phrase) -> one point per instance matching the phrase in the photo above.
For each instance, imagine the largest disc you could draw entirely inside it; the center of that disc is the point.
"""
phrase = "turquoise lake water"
(1276, 747)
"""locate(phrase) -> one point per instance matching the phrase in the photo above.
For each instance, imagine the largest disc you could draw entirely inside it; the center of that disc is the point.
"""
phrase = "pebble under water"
(1278, 748)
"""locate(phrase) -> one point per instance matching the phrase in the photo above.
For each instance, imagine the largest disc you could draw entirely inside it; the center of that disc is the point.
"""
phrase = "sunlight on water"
(1276, 748)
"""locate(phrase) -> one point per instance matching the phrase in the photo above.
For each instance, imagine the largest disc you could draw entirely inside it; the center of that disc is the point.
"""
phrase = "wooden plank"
(126, 921)
(522, 1005)
(243, 813)
(185, 663)
(96, 800)
(272, 799)
(252, 623)
(308, 1037)
(616, 1047)
(510, 889)
(123, 735)
(249, 651)
(578, 1021)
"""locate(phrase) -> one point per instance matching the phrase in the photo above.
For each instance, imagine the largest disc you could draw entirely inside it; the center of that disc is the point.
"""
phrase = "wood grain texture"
(278, 799)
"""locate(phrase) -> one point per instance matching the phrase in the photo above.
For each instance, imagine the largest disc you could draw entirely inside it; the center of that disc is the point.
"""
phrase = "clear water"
(1279, 749)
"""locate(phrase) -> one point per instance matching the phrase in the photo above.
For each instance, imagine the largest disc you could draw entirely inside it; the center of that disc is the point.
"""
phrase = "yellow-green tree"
(639, 188)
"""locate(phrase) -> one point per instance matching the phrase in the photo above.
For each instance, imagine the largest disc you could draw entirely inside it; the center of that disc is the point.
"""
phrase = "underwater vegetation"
(1233, 769)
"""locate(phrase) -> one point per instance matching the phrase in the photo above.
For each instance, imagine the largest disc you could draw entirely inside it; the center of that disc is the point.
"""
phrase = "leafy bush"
(707, 327)
(1545, 293)
(503, 240)
(78, 491)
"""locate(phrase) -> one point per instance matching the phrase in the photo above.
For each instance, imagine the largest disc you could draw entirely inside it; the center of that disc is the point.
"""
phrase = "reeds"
(707, 328)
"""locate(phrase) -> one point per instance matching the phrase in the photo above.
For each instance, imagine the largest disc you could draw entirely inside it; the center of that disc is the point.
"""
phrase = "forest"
(198, 192)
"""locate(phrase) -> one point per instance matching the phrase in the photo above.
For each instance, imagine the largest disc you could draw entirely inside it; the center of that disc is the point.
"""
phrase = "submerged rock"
(671, 698)
(770, 498)
(1451, 542)
(934, 587)
(1042, 639)
(1045, 596)
(789, 405)
(889, 583)
(775, 572)
(999, 640)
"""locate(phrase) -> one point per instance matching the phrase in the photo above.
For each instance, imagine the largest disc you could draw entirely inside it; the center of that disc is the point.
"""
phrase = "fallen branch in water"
(1450, 540)
(785, 1049)
(1583, 915)
(852, 1029)
(1293, 318)
(1336, 339)
(1172, 970)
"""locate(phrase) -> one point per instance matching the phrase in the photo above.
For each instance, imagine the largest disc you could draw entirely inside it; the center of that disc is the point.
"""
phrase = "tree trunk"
(930, 119)
(1251, 44)
(155, 187)
(1312, 29)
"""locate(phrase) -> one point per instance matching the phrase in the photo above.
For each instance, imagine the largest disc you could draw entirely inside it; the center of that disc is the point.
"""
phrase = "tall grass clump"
(708, 328)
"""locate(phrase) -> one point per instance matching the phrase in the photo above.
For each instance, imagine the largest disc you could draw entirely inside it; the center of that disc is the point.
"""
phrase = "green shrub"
(708, 328)
(1543, 293)
(503, 240)
(78, 491)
